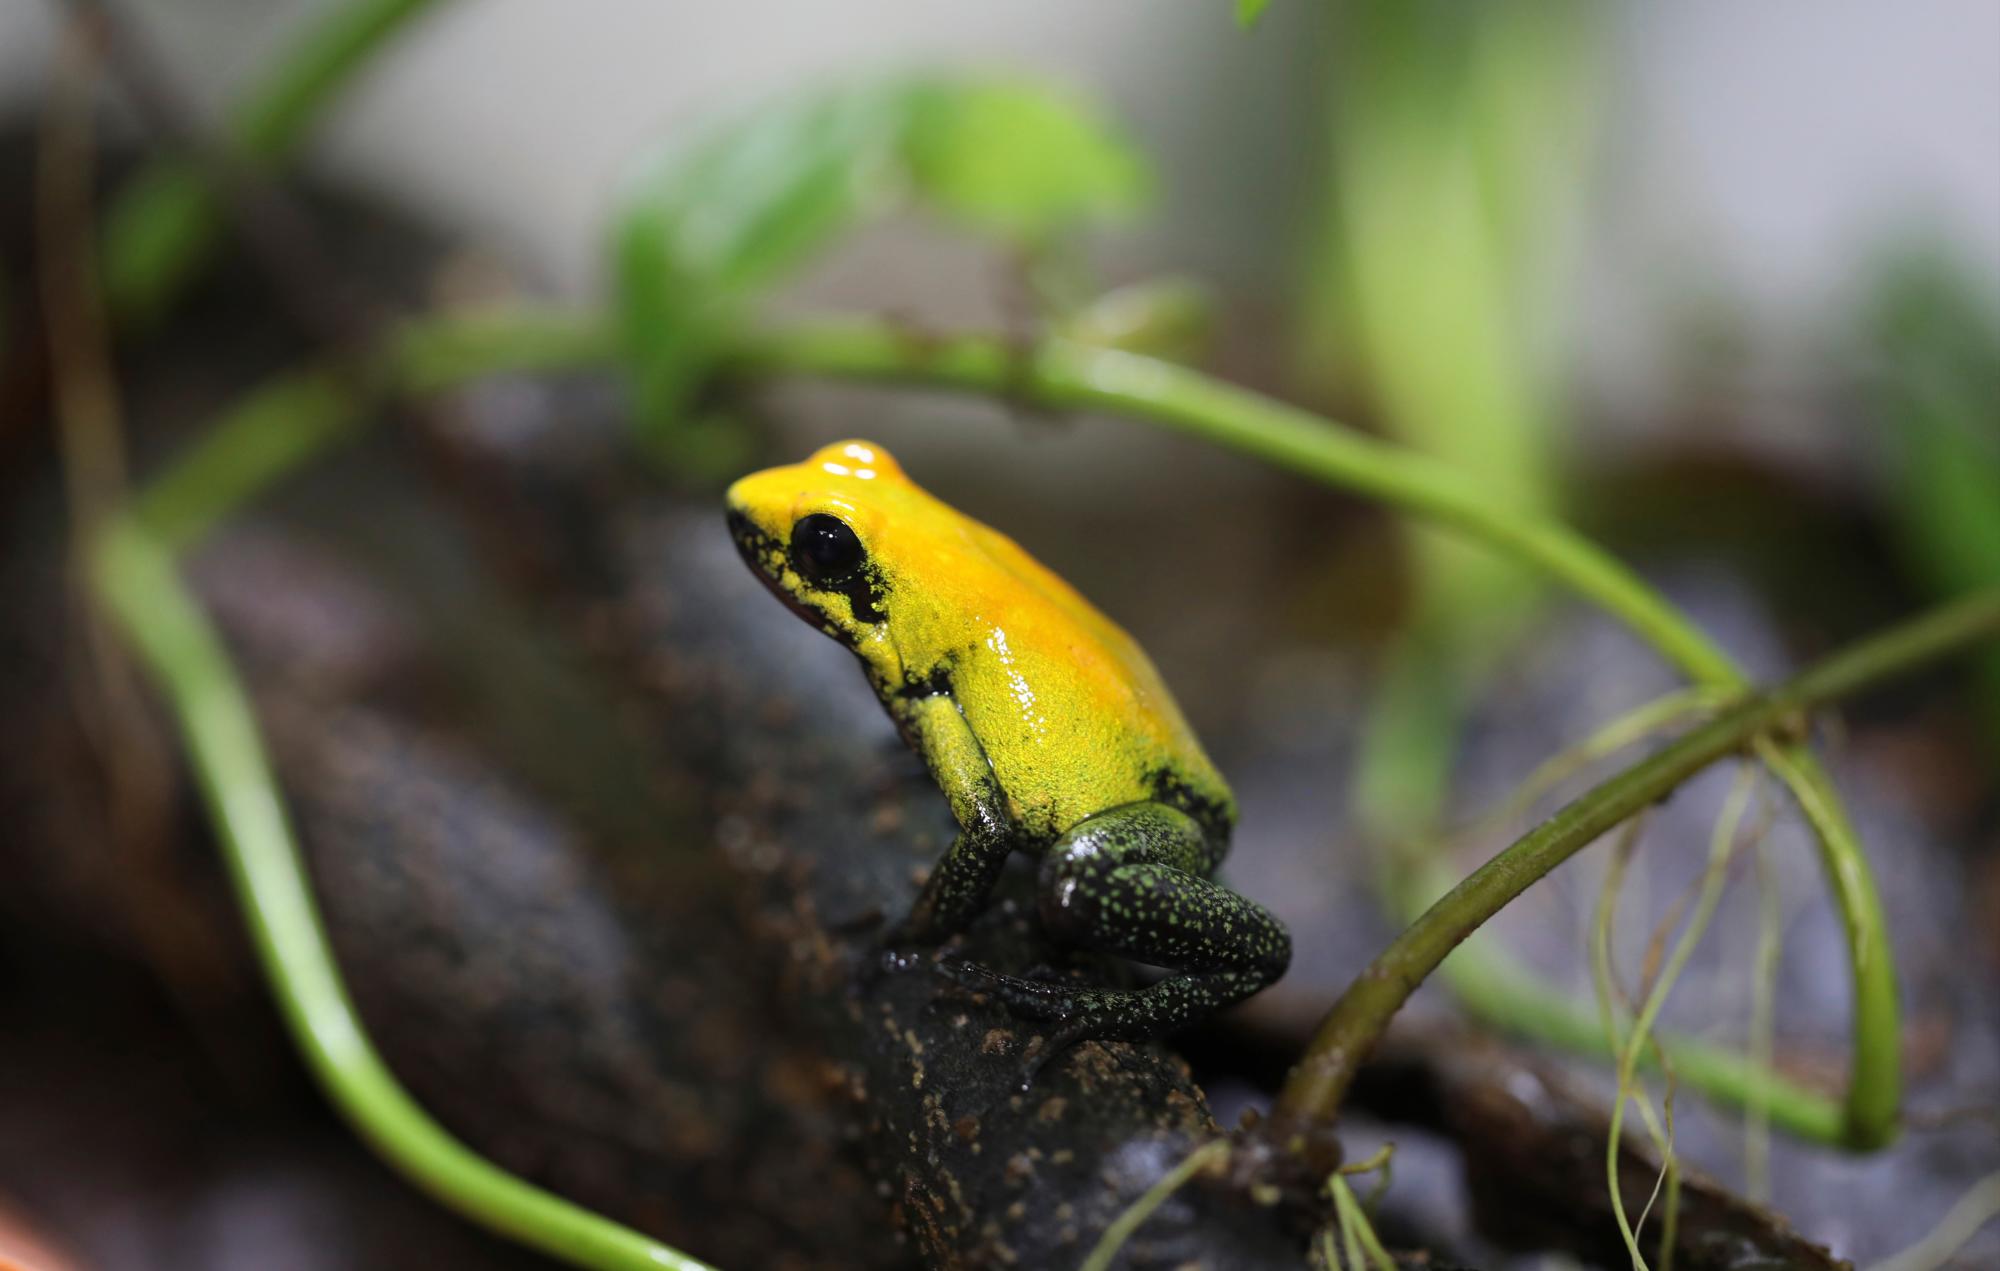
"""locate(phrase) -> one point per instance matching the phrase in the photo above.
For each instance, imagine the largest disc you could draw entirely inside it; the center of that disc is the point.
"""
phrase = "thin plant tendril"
(1209, 1155)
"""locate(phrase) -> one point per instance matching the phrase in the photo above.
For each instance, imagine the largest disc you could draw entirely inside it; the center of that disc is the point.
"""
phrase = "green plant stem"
(1064, 375)
(136, 579)
(1106, 1250)
(1874, 1092)
(1496, 989)
(294, 417)
(297, 416)
(284, 424)
(1364, 1247)
(164, 223)
(1059, 374)
(1316, 1088)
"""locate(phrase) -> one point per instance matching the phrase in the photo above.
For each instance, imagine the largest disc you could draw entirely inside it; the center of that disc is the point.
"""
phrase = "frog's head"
(815, 532)
(865, 554)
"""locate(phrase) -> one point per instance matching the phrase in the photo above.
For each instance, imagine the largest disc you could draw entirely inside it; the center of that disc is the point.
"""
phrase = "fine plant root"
(1212, 1155)
(1695, 702)
(1763, 1018)
(1722, 847)
(1360, 1249)
(1978, 1206)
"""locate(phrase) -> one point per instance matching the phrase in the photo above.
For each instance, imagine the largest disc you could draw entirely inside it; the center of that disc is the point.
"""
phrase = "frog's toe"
(1036, 999)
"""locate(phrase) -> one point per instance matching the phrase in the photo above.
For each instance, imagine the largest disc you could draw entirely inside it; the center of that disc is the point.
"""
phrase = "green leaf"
(1020, 159)
(1248, 11)
(711, 226)
(157, 236)
(1935, 332)
(1938, 336)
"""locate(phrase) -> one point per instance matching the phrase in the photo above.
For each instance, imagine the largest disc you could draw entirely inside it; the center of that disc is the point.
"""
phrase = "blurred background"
(1719, 284)
(1754, 164)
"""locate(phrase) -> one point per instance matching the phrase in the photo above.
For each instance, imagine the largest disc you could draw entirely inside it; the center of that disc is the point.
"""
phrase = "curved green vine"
(1317, 1086)
(159, 233)
(254, 445)
(1068, 375)
(138, 582)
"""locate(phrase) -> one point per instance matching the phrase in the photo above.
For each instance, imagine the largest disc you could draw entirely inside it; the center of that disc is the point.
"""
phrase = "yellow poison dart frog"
(1045, 725)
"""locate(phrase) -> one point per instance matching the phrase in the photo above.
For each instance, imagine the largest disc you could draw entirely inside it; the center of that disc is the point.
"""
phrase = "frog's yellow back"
(1070, 711)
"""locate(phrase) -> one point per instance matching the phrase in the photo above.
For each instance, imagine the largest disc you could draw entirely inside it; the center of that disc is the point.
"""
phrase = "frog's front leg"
(963, 879)
(1134, 881)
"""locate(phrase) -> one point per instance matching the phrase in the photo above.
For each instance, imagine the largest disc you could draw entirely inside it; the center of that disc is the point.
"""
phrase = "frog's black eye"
(824, 549)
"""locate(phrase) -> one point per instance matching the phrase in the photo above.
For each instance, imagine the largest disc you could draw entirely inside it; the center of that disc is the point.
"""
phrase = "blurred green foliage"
(1934, 333)
(167, 221)
(1169, 317)
(1453, 155)
(1021, 160)
(708, 227)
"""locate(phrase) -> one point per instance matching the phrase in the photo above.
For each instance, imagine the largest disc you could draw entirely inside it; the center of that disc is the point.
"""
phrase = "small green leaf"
(1934, 329)
(1020, 159)
(157, 236)
(1937, 331)
(705, 230)
(709, 225)
(1248, 11)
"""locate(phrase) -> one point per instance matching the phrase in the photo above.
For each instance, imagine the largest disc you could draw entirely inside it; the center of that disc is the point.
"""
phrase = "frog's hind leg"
(1133, 881)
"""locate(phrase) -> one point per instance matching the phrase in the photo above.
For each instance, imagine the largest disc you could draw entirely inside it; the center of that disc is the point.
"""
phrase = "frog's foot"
(1036, 999)
(1081, 1013)
(1130, 882)
(1122, 1014)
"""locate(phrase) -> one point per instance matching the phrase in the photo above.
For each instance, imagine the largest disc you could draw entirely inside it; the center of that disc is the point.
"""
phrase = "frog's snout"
(751, 539)
(765, 553)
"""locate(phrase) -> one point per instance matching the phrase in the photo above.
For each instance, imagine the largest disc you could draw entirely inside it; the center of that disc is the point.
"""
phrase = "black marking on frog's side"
(866, 592)
(935, 683)
(1215, 817)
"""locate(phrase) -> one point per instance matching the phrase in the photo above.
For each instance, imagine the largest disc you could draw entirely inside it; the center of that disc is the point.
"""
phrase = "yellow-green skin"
(1046, 727)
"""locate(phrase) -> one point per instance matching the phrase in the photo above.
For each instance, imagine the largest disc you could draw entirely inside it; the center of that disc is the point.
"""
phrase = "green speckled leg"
(957, 889)
(1133, 881)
